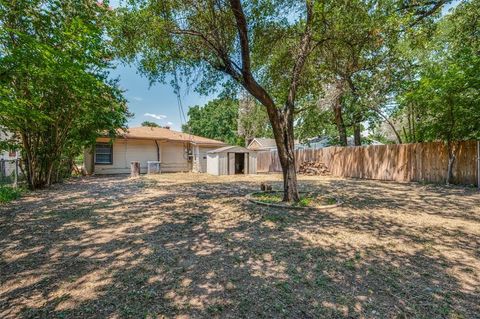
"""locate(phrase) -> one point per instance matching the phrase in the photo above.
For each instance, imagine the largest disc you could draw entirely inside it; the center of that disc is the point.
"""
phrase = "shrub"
(304, 202)
(8, 194)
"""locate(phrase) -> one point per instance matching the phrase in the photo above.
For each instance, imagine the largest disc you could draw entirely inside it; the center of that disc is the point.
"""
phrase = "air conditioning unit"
(153, 167)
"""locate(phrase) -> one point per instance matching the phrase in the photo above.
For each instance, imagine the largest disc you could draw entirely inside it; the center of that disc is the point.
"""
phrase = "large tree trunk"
(281, 120)
(282, 126)
(451, 161)
(29, 163)
(451, 148)
(357, 134)
(342, 131)
(286, 152)
(290, 192)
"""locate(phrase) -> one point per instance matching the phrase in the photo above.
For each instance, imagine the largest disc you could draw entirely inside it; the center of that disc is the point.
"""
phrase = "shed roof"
(231, 149)
(160, 133)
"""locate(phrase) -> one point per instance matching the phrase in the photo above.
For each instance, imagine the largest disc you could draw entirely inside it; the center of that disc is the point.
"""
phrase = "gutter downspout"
(158, 151)
(195, 159)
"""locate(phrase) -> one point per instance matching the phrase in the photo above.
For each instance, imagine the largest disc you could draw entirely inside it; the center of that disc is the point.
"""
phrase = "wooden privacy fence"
(396, 162)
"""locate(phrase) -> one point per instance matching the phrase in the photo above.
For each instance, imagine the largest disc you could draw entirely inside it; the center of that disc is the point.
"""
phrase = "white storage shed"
(231, 160)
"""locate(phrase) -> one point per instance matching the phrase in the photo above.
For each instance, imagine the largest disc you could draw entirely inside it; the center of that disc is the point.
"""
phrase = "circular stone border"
(250, 197)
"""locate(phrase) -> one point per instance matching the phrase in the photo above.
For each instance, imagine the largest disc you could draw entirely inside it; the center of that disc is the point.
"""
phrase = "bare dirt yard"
(191, 246)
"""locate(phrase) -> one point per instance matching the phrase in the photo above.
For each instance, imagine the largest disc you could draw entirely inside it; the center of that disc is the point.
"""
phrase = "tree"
(316, 122)
(266, 47)
(235, 39)
(358, 63)
(150, 124)
(332, 98)
(228, 119)
(55, 96)
(445, 93)
(217, 120)
(252, 119)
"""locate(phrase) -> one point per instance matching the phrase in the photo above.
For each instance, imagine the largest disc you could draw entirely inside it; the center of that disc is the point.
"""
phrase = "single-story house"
(326, 141)
(231, 160)
(264, 144)
(175, 151)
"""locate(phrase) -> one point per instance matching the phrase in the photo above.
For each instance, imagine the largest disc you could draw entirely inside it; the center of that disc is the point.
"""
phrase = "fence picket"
(421, 162)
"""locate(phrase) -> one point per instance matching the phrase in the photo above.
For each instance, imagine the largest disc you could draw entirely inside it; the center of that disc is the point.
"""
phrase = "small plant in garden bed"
(306, 199)
(8, 193)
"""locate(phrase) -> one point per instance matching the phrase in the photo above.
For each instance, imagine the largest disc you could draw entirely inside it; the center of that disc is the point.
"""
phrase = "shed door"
(246, 167)
(231, 163)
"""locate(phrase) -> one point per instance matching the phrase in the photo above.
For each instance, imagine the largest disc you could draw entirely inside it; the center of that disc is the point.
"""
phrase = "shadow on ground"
(183, 245)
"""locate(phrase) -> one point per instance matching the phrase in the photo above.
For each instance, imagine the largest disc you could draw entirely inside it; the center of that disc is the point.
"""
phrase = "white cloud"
(156, 116)
(169, 123)
(137, 98)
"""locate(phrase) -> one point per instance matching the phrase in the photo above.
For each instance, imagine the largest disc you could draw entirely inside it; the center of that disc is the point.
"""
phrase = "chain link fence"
(9, 172)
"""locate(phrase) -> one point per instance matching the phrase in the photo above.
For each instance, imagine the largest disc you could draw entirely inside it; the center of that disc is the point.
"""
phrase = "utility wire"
(183, 118)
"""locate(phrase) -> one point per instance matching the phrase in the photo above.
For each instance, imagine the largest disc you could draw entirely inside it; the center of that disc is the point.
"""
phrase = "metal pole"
(3, 170)
(15, 183)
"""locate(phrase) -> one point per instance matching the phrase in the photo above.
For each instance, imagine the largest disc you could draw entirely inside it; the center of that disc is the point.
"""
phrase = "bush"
(8, 194)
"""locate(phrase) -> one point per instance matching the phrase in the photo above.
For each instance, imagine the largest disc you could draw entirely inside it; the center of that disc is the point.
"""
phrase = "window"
(103, 153)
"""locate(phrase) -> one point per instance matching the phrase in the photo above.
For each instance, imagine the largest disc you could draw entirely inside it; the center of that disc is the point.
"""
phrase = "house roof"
(264, 143)
(160, 133)
(325, 141)
(231, 149)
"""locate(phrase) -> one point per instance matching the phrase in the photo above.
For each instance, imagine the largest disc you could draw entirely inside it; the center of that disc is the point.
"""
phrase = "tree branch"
(249, 83)
(301, 59)
(241, 21)
(422, 14)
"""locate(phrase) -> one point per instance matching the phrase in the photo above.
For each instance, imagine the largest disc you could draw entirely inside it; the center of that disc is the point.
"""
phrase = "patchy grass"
(306, 200)
(191, 245)
(8, 193)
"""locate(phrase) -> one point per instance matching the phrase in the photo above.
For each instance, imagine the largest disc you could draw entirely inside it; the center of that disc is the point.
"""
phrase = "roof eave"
(208, 144)
(165, 139)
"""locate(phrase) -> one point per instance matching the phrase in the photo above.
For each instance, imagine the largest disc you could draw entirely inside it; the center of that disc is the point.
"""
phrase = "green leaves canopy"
(446, 92)
(55, 95)
(216, 120)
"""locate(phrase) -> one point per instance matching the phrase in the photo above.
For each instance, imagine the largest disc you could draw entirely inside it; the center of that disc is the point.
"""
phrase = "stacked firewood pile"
(313, 168)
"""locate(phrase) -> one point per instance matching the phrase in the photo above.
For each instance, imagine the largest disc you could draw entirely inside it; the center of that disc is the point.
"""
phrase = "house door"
(231, 163)
(239, 163)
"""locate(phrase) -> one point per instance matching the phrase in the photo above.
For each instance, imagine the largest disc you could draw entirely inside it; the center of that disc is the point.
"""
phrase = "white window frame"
(111, 154)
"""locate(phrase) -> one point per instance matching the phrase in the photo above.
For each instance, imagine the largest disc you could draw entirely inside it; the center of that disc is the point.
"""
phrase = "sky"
(157, 103)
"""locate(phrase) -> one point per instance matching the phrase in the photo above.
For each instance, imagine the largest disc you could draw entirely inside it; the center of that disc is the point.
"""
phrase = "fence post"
(15, 182)
(134, 169)
(478, 165)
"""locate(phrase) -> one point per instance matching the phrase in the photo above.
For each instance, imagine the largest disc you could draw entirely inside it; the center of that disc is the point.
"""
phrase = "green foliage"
(198, 40)
(315, 122)
(252, 119)
(306, 200)
(7, 194)
(268, 197)
(444, 96)
(273, 49)
(217, 120)
(55, 95)
(359, 59)
(149, 124)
